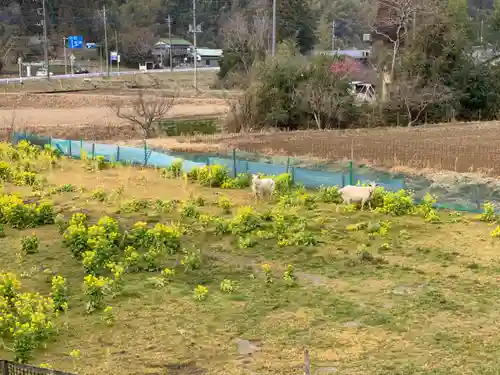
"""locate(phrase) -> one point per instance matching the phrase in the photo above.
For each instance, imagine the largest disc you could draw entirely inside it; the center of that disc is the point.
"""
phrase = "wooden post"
(93, 150)
(117, 153)
(69, 150)
(307, 363)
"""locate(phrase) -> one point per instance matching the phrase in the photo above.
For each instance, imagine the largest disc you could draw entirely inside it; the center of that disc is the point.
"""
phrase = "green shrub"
(189, 210)
(200, 293)
(174, 170)
(227, 286)
(24, 178)
(245, 221)
(59, 293)
(30, 244)
(5, 171)
(225, 204)
(95, 289)
(488, 214)
(212, 175)
(191, 260)
(75, 238)
(99, 194)
(241, 181)
(330, 194)
(397, 203)
(283, 183)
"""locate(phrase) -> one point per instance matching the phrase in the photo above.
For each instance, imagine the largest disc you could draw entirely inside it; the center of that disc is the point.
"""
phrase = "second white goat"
(358, 194)
(262, 187)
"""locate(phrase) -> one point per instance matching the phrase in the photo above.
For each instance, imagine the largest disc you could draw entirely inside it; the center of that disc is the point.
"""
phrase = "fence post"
(288, 165)
(117, 153)
(145, 152)
(93, 150)
(343, 179)
(234, 162)
(50, 140)
(70, 152)
(81, 144)
(292, 175)
(351, 173)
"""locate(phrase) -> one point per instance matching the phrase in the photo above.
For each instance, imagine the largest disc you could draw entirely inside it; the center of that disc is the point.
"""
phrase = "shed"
(209, 57)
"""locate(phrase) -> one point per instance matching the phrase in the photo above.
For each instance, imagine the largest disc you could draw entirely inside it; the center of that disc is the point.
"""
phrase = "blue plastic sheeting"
(307, 177)
(265, 169)
(315, 179)
(387, 184)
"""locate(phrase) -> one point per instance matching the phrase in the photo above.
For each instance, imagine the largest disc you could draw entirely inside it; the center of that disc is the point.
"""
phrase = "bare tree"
(246, 33)
(392, 22)
(137, 44)
(416, 96)
(144, 111)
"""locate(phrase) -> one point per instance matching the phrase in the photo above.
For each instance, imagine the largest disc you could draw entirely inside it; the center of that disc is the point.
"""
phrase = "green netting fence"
(456, 194)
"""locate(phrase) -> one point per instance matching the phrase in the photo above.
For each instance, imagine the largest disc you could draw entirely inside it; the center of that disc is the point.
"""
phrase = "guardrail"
(103, 74)
(13, 368)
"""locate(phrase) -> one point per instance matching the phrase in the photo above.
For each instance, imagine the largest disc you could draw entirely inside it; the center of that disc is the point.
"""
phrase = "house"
(180, 50)
(208, 57)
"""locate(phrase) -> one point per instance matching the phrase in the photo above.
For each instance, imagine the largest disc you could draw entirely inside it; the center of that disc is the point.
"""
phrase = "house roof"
(209, 52)
(175, 41)
(353, 53)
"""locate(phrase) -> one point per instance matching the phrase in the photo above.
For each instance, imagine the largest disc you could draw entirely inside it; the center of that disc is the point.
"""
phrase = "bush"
(30, 244)
(245, 221)
(17, 214)
(191, 260)
(174, 170)
(212, 175)
(225, 204)
(227, 286)
(95, 289)
(397, 203)
(59, 293)
(329, 194)
(200, 293)
(488, 214)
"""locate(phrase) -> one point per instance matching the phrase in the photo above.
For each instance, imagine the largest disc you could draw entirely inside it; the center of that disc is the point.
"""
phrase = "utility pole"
(117, 53)
(414, 23)
(169, 21)
(273, 50)
(65, 59)
(106, 38)
(333, 35)
(195, 54)
(45, 39)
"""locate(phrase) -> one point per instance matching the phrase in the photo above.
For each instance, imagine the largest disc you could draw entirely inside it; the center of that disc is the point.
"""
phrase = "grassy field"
(370, 292)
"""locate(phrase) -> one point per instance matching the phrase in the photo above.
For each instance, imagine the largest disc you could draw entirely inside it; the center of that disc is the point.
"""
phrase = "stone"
(245, 347)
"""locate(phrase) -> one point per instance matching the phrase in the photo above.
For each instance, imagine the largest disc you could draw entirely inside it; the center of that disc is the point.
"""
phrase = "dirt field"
(469, 147)
(36, 111)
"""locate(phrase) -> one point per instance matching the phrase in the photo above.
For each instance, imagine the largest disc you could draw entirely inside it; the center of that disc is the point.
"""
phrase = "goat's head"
(255, 177)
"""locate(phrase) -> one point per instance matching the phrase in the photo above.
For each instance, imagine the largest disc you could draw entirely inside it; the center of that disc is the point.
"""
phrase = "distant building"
(209, 57)
(180, 50)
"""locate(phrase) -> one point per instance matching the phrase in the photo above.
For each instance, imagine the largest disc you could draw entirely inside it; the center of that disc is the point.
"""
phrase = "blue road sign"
(75, 41)
(91, 45)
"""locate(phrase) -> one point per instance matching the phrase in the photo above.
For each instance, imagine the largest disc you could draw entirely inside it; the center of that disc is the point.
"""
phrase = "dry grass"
(177, 81)
(470, 147)
(429, 304)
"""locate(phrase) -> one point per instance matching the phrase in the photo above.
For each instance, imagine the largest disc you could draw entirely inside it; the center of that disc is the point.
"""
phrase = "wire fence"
(12, 368)
(452, 191)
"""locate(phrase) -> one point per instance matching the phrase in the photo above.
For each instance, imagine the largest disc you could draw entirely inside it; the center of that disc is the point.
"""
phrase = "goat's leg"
(362, 204)
(370, 205)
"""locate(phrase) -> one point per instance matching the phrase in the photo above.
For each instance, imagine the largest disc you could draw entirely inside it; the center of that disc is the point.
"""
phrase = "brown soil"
(471, 147)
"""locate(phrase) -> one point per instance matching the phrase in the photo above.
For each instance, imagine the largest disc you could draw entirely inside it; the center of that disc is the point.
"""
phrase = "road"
(127, 72)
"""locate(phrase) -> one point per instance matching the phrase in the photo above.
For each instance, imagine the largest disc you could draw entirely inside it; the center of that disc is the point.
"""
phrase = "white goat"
(358, 194)
(262, 187)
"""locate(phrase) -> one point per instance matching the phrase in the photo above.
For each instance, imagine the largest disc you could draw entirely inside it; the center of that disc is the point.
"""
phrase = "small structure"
(209, 57)
(180, 50)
